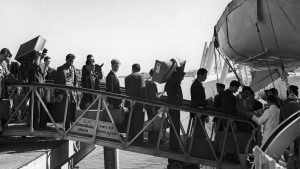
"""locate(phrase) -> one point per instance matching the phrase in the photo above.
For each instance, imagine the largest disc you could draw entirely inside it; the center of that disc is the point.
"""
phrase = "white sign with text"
(87, 126)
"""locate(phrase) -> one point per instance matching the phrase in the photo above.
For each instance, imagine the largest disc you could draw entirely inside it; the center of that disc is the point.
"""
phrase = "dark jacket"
(198, 97)
(135, 85)
(14, 68)
(151, 90)
(60, 77)
(174, 90)
(113, 85)
(228, 101)
(217, 101)
(85, 73)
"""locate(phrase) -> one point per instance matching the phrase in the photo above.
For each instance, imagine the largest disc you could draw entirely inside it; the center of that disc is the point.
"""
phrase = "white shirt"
(270, 120)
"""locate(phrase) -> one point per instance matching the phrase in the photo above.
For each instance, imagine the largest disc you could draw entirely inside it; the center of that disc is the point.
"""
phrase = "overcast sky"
(133, 31)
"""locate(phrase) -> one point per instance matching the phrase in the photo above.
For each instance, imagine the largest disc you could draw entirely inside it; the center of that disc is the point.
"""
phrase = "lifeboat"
(263, 34)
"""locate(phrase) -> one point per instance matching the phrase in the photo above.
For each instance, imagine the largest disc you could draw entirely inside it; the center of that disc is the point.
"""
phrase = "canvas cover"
(256, 32)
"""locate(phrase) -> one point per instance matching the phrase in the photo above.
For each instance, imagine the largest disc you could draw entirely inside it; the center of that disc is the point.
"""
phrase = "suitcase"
(28, 48)
(163, 70)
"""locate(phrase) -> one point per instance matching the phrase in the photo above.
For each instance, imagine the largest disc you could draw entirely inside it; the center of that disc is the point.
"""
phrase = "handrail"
(185, 144)
(210, 111)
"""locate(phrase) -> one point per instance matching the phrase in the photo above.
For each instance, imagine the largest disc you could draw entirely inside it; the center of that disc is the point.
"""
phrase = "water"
(129, 160)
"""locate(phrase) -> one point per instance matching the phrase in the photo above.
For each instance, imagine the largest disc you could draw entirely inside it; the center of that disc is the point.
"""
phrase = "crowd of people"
(138, 86)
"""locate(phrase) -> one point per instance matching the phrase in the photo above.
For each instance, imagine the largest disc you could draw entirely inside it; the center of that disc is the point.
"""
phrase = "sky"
(133, 31)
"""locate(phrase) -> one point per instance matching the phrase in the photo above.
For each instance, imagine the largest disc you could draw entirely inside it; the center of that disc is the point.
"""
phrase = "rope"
(273, 30)
(231, 67)
(277, 46)
(216, 64)
(262, 46)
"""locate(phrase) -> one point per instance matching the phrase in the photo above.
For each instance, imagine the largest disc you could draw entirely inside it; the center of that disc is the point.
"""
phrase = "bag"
(156, 124)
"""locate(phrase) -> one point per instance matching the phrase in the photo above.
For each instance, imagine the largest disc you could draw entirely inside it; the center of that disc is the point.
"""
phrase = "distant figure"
(292, 104)
(113, 85)
(253, 103)
(241, 100)
(135, 87)
(151, 94)
(4, 72)
(274, 92)
(175, 96)
(198, 100)
(228, 100)
(97, 70)
(269, 119)
(49, 75)
(44, 66)
(255, 106)
(89, 82)
(217, 99)
(66, 75)
(243, 109)
(13, 66)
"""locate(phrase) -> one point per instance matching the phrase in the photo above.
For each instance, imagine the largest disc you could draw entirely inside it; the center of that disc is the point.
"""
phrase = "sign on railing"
(87, 126)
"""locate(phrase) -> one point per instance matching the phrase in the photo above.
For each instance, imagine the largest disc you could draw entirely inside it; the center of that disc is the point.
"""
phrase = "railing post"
(32, 109)
(66, 110)
(111, 158)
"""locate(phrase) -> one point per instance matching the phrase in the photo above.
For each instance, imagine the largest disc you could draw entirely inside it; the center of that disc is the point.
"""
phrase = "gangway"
(282, 137)
(89, 126)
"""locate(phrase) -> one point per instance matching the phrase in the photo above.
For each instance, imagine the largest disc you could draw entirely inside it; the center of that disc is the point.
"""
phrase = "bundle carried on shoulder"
(164, 69)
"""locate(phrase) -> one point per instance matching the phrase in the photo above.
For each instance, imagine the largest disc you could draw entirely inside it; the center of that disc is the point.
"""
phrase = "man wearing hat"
(217, 99)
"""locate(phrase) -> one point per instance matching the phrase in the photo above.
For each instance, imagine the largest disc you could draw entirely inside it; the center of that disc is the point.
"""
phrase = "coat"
(113, 85)
(135, 85)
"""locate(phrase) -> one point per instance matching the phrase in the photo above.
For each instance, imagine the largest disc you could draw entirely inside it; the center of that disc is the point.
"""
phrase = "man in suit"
(35, 75)
(217, 99)
(228, 100)
(97, 70)
(135, 87)
(198, 100)
(66, 75)
(113, 85)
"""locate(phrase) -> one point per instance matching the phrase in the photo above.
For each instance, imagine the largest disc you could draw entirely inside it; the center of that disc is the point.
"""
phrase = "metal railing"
(187, 141)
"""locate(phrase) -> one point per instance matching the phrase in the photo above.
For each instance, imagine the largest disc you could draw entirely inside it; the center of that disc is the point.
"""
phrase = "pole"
(111, 158)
